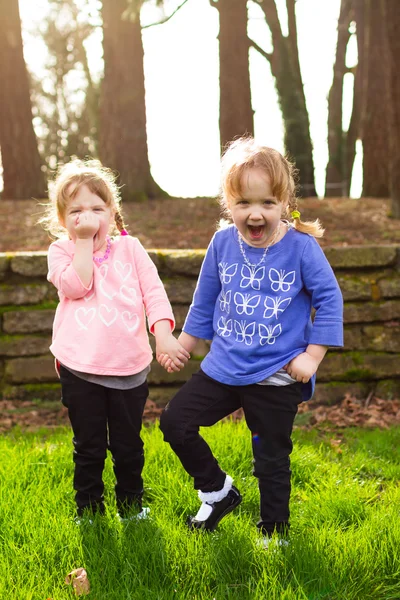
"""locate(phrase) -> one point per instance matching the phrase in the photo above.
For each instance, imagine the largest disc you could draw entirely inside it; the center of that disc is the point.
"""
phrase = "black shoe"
(219, 511)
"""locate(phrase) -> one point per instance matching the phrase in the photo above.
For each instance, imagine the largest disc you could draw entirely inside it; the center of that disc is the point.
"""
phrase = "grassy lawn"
(345, 537)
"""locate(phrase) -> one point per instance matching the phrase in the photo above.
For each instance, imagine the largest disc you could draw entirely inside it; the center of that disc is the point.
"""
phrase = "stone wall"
(369, 278)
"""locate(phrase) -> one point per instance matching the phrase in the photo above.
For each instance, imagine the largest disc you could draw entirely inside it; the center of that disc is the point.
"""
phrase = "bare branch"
(272, 18)
(266, 55)
(166, 18)
(292, 25)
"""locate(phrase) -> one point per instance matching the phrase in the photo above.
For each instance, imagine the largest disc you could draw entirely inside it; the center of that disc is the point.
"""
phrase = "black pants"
(269, 413)
(104, 418)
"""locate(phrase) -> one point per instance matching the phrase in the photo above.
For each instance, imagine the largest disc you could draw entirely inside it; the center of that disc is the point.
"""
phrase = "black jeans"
(269, 413)
(104, 418)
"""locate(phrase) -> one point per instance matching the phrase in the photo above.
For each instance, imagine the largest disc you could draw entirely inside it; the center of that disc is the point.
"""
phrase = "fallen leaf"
(79, 580)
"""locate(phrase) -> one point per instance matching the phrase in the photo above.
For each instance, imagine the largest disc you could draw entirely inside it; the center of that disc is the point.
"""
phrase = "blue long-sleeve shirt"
(259, 318)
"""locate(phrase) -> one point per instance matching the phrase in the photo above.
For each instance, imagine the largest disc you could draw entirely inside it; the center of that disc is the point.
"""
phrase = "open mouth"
(255, 231)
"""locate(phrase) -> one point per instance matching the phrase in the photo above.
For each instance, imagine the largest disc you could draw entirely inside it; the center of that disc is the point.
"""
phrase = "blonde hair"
(100, 181)
(243, 154)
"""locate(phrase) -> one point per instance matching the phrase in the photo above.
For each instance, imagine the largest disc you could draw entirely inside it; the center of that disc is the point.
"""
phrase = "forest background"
(90, 90)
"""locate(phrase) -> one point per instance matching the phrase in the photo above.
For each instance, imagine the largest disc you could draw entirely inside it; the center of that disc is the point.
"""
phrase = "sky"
(182, 96)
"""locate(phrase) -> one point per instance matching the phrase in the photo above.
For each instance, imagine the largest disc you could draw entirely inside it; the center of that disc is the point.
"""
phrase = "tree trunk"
(285, 67)
(392, 24)
(236, 113)
(374, 116)
(22, 174)
(337, 178)
(122, 127)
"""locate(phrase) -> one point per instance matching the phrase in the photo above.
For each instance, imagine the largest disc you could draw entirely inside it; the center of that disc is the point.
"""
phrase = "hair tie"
(295, 214)
(124, 232)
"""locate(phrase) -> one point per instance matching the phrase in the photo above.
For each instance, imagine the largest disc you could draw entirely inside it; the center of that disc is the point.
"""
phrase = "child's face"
(88, 207)
(257, 212)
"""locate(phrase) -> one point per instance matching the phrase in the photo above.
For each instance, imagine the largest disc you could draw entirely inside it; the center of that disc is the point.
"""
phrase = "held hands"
(86, 225)
(171, 355)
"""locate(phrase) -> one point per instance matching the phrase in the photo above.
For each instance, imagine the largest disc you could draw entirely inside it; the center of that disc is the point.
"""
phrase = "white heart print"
(107, 315)
(130, 320)
(84, 316)
(128, 294)
(103, 271)
(123, 270)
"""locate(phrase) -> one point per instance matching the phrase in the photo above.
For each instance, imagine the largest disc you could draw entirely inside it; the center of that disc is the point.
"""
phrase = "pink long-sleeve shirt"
(101, 329)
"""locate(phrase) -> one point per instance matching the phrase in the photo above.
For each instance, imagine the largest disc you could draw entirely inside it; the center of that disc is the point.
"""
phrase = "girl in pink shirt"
(106, 285)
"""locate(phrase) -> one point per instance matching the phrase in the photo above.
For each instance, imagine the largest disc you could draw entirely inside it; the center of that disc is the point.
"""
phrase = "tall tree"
(236, 113)
(391, 18)
(374, 120)
(66, 100)
(285, 67)
(22, 174)
(337, 178)
(122, 129)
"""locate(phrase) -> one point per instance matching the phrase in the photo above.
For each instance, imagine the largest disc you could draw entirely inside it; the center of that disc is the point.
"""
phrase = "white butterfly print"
(224, 301)
(252, 276)
(224, 327)
(268, 334)
(244, 333)
(273, 306)
(280, 281)
(226, 272)
(245, 303)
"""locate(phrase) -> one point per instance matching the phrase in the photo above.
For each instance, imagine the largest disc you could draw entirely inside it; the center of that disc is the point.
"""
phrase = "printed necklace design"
(100, 259)
(242, 250)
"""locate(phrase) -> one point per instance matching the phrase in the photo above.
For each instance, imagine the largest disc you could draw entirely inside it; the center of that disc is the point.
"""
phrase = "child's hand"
(302, 367)
(171, 355)
(86, 225)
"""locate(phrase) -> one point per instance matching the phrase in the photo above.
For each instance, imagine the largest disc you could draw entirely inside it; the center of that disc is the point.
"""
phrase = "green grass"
(345, 537)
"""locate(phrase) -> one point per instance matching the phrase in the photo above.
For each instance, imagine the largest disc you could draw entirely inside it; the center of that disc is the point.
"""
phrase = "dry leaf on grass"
(79, 580)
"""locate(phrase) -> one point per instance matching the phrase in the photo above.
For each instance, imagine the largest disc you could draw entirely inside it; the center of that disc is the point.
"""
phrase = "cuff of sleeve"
(161, 316)
(327, 333)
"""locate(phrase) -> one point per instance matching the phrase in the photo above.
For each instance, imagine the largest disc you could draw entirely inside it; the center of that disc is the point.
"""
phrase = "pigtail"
(314, 228)
(119, 221)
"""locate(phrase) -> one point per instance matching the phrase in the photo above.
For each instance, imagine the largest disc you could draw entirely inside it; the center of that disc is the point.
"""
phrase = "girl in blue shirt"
(259, 281)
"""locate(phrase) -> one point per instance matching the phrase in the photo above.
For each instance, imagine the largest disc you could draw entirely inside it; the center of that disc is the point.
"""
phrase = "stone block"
(39, 369)
(354, 287)
(367, 312)
(390, 287)
(20, 294)
(39, 391)
(4, 265)
(352, 257)
(158, 375)
(382, 338)
(28, 321)
(334, 392)
(359, 366)
(30, 264)
(161, 395)
(180, 290)
(180, 312)
(154, 255)
(24, 345)
(183, 262)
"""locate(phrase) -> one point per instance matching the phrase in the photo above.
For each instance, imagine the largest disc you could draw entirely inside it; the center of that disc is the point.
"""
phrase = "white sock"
(208, 498)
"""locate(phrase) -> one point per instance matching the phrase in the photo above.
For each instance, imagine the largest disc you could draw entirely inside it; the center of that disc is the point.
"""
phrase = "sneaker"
(143, 514)
(272, 543)
(218, 511)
